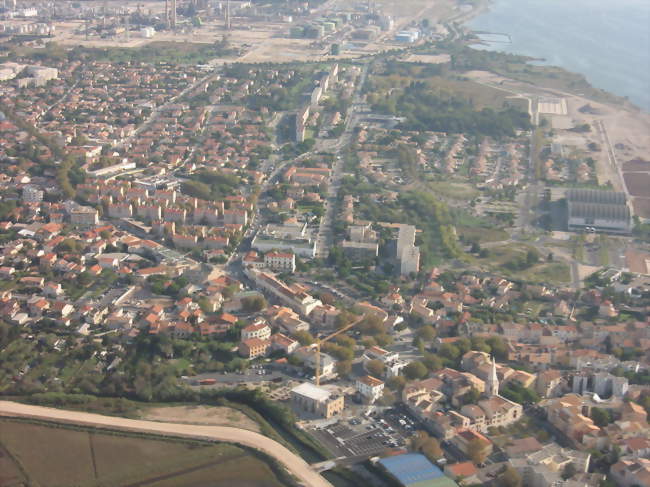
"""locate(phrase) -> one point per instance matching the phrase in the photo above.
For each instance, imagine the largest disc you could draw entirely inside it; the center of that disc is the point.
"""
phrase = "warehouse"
(415, 470)
(598, 211)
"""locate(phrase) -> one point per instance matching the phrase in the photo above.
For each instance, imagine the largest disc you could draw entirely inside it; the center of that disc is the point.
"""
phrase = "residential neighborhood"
(398, 263)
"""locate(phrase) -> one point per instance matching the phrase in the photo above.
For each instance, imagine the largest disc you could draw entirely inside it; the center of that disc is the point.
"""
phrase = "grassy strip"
(343, 477)
(276, 416)
(379, 472)
(265, 428)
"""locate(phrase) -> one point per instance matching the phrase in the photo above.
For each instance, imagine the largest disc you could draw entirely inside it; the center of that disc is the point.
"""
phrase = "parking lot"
(360, 437)
(399, 419)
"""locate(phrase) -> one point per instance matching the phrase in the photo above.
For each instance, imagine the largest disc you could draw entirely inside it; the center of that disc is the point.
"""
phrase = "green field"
(557, 273)
(454, 190)
(45, 456)
(499, 258)
(482, 234)
(153, 52)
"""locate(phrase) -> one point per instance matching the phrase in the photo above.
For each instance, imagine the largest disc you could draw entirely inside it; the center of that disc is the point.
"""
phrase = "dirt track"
(294, 464)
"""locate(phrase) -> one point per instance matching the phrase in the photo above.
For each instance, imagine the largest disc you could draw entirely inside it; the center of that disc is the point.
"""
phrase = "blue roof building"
(415, 470)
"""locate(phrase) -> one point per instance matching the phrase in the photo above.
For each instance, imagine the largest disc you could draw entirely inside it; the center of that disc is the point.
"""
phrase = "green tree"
(431, 449)
(601, 417)
(196, 189)
(343, 368)
(477, 451)
(427, 333)
(304, 337)
(415, 370)
(397, 382)
(254, 304)
(498, 346)
(449, 351)
(569, 471)
(532, 257)
(375, 368)
(432, 362)
(509, 478)
(472, 396)
(388, 398)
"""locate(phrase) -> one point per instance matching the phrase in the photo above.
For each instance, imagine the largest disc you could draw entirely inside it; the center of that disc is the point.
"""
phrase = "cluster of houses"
(103, 102)
(496, 165)
(441, 401)
(187, 222)
(325, 80)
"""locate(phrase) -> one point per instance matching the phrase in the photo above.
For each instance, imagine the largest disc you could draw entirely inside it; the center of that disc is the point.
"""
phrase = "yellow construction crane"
(320, 341)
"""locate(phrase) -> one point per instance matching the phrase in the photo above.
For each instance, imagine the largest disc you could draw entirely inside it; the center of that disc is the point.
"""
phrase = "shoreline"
(624, 127)
(494, 46)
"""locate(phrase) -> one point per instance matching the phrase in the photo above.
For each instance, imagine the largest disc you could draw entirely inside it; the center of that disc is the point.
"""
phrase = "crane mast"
(320, 341)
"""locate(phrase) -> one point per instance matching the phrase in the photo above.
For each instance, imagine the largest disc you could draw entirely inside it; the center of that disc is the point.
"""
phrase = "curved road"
(293, 463)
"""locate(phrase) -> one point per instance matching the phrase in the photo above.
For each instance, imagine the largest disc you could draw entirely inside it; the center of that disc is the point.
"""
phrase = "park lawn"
(502, 254)
(454, 190)
(555, 78)
(310, 133)
(552, 272)
(544, 272)
(181, 364)
(482, 234)
(482, 96)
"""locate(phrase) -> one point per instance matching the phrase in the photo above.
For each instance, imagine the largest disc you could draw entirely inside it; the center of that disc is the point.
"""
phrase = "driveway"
(293, 463)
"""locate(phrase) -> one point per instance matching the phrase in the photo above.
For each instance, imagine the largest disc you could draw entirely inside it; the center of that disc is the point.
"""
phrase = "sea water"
(608, 41)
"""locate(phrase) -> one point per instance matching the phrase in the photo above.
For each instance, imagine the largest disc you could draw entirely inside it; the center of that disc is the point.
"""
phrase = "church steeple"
(492, 386)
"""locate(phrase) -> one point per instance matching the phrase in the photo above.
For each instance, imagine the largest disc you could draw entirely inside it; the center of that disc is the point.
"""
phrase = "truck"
(207, 382)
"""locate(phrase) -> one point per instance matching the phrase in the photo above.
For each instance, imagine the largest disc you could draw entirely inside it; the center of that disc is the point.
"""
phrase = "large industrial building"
(415, 470)
(598, 211)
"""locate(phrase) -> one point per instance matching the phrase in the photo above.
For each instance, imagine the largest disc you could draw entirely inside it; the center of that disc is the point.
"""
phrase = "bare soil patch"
(10, 474)
(203, 415)
(639, 165)
(641, 207)
(637, 261)
(638, 183)
(32, 454)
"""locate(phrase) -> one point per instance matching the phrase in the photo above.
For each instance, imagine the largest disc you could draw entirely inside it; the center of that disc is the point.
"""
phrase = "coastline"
(621, 127)
(476, 37)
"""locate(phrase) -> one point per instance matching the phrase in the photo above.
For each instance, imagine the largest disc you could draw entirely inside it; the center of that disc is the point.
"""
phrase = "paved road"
(294, 464)
(325, 238)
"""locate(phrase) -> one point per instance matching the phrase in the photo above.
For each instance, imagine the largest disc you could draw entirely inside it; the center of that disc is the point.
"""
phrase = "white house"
(257, 330)
(370, 388)
(280, 261)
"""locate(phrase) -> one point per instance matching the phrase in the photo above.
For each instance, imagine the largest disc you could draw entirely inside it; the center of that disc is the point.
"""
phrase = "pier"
(483, 34)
